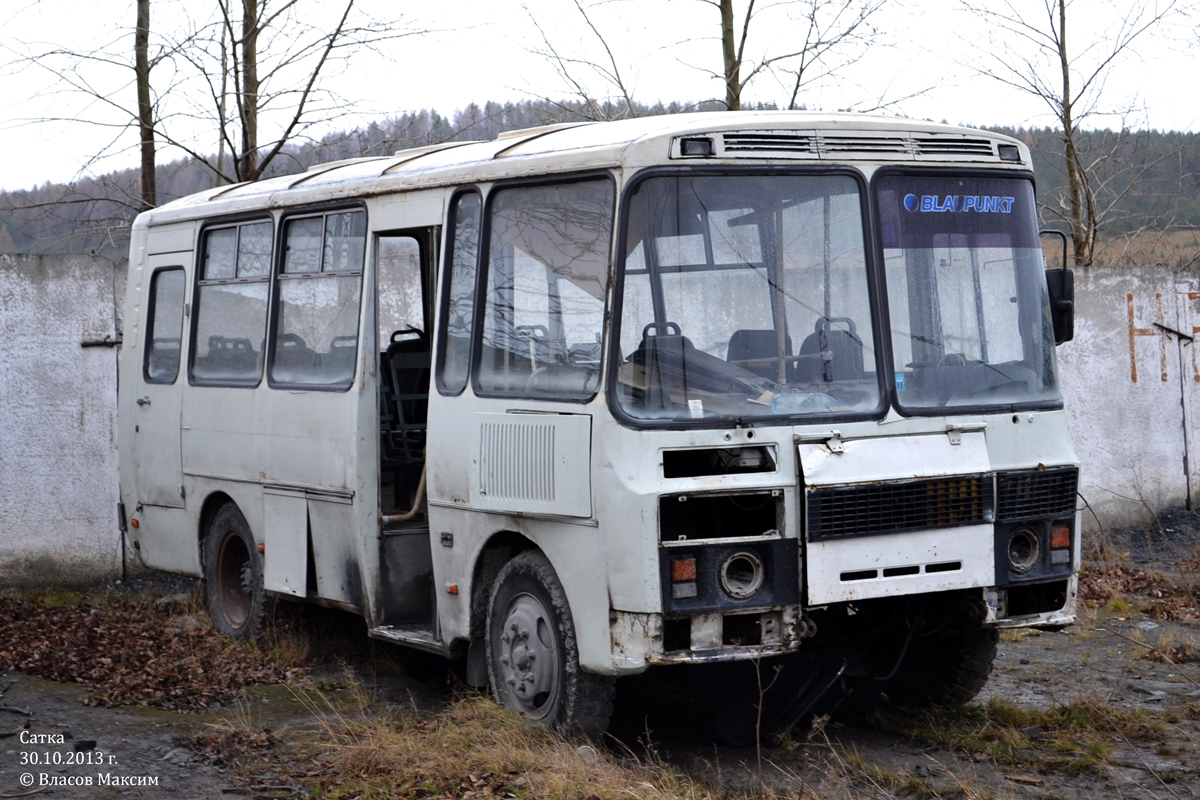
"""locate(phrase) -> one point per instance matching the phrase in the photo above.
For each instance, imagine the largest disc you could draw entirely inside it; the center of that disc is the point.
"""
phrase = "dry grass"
(834, 771)
(355, 749)
(1073, 737)
(1178, 248)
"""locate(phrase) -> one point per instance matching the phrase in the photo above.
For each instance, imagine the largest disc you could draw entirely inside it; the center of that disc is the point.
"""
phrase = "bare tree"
(576, 69)
(826, 37)
(1030, 53)
(107, 87)
(148, 183)
(277, 55)
(253, 72)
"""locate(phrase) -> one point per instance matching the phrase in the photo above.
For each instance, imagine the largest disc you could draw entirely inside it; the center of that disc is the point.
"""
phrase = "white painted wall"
(58, 465)
(1132, 390)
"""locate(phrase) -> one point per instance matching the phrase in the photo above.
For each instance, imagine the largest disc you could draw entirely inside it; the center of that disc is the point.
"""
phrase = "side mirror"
(1060, 284)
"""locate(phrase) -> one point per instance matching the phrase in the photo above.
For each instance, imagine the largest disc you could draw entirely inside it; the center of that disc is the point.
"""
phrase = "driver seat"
(840, 351)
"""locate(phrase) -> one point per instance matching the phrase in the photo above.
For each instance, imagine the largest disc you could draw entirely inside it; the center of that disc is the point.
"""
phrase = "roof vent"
(848, 145)
(763, 142)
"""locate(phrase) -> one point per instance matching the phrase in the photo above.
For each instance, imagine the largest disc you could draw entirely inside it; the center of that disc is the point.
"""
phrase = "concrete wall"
(1131, 381)
(58, 414)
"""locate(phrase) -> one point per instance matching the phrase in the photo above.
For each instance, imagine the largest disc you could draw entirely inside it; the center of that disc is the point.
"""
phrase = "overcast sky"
(923, 63)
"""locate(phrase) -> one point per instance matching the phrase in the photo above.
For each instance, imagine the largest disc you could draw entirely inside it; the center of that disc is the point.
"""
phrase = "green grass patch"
(1073, 737)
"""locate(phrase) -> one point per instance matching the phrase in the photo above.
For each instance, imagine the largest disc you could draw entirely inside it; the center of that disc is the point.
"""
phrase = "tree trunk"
(733, 80)
(248, 168)
(222, 120)
(1081, 235)
(141, 47)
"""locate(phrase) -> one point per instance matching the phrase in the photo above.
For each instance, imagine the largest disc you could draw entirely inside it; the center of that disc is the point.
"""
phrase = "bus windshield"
(970, 318)
(745, 296)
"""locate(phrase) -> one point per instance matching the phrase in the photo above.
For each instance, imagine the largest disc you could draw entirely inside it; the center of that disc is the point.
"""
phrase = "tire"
(532, 654)
(946, 670)
(233, 575)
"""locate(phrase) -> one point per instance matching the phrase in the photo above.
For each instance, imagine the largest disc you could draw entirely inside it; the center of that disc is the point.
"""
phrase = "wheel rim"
(529, 658)
(234, 577)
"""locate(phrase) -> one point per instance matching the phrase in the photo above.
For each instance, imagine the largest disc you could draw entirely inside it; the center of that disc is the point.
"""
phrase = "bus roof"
(732, 137)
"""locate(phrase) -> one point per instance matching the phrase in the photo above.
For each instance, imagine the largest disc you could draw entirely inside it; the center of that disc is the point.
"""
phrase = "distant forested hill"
(1148, 180)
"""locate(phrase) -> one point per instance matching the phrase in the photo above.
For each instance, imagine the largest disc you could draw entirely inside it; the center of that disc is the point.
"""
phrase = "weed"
(353, 749)
(1171, 648)
(1072, 737)
(918, 787)
(1118, 605)
(880, 775)
(56, 598)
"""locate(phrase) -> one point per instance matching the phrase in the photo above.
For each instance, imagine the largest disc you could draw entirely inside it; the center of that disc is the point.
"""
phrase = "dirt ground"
(1107, 708)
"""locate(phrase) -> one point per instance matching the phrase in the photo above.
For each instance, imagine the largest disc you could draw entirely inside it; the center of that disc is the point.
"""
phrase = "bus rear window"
(164, 326)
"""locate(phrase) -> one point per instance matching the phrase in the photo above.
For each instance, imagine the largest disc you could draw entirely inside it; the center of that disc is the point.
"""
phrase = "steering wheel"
(531, 381)
(952, 359)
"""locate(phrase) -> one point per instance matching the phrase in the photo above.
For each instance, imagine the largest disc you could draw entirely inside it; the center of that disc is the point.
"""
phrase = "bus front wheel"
(532, 654)
(233, 575)
(945, 670)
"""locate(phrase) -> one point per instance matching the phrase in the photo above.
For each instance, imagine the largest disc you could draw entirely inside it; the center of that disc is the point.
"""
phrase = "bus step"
(418, 635)
(392, 528)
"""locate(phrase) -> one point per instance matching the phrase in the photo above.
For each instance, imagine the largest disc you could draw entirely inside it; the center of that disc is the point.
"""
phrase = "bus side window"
(231, 304)
(320, 285)
(546, 282)
(458, 303)
(401, 286)
(164, 326)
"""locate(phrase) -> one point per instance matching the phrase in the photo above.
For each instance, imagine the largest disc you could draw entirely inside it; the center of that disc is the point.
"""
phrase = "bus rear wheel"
(532, 654)
(233, 575)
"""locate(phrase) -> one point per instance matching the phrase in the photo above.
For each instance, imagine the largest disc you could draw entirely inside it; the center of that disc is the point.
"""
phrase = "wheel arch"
(212, 504)
(499, 549)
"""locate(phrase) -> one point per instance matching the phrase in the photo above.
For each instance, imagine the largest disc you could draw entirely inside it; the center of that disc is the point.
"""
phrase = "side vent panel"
(516, 462)
(532, 463)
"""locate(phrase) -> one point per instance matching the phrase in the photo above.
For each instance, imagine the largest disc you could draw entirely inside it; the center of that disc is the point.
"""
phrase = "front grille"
(1036, 494)
(893, 507)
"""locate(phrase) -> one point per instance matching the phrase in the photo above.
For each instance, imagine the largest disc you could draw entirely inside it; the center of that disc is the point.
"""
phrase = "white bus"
(589, 399)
